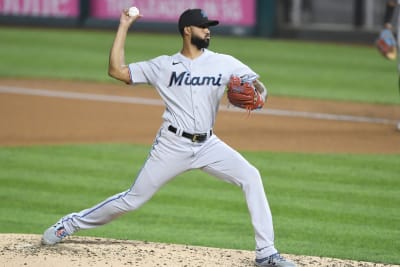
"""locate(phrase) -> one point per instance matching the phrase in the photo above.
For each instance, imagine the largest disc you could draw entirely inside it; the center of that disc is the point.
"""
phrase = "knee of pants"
(251, 177)
(132, 201)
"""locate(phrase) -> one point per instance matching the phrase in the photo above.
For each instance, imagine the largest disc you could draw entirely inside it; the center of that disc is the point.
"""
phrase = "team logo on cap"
(204, 14)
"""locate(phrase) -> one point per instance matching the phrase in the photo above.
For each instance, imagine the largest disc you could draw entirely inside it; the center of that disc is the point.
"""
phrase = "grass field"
(343, 206)
(326, 71)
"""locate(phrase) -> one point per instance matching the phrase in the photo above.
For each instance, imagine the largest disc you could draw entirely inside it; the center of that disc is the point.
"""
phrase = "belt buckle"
(194, 138)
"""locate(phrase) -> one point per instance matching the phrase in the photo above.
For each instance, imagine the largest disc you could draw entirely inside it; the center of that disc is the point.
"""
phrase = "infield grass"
(303, 69)
(343, 206)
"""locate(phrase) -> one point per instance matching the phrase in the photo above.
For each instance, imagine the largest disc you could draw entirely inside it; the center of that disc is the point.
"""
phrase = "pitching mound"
(26, 250)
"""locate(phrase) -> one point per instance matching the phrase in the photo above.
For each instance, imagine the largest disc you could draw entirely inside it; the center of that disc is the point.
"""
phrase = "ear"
(187, 30)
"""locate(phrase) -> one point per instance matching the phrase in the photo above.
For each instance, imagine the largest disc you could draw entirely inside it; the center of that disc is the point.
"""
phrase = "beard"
(200, 43)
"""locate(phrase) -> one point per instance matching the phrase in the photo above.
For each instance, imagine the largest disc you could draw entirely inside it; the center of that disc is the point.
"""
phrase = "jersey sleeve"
(240, 69)
(146, 71)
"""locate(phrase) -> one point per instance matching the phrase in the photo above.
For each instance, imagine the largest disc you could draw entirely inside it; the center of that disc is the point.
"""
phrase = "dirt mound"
(26, 250)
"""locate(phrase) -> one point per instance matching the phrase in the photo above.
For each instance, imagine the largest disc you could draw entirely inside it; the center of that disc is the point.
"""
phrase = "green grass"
(312, 70)
(343, 206)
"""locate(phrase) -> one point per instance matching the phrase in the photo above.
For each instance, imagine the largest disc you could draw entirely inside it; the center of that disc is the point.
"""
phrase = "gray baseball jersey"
(191, 89)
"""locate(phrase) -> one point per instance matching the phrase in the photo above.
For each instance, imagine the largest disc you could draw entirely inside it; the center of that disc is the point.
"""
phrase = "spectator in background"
(390, 7)
(388, 16)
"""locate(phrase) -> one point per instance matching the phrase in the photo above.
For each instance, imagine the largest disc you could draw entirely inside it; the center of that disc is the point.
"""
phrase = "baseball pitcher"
(191, 83)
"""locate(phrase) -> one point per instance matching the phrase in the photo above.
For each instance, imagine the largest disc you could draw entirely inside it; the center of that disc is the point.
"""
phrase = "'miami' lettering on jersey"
(186, 79)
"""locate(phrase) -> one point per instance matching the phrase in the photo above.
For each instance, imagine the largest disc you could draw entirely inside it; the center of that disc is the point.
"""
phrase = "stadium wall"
(259, 18)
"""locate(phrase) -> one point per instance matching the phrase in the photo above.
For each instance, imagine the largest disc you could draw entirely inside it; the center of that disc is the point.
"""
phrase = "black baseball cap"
(195, 17)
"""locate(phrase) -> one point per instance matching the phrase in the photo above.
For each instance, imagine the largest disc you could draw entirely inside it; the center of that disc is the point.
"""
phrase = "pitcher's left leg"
(220, 160)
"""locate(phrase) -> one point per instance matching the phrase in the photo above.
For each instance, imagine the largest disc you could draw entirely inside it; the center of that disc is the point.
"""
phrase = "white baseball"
(133, 11)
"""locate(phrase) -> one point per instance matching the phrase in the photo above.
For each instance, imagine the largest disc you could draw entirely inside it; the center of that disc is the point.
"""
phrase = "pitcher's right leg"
(167, 159)
(145, 186)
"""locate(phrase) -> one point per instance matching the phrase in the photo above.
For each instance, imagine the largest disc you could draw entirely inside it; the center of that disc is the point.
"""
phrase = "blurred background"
(354, 21)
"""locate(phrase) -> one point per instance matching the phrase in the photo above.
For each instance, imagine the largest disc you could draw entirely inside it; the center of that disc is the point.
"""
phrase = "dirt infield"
(39, 117)
(35, 119)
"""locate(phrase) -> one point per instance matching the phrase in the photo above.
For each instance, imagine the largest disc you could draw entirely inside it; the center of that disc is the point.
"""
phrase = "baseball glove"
(243, 94)
(386, 44)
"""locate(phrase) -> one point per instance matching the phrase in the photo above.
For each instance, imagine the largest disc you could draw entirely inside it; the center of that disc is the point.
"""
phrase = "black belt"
(197, 138)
